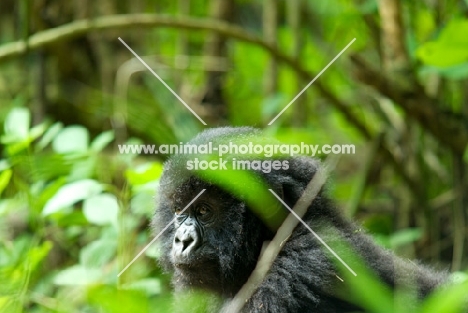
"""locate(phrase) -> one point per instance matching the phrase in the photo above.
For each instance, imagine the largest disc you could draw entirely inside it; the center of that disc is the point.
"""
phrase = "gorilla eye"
(177, 211)
(203, 210)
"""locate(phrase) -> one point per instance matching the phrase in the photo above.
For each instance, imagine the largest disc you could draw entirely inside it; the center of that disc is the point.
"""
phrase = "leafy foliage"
(74, 211)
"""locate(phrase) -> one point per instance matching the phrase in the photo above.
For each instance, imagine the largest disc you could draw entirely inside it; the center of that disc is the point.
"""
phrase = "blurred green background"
(74, 211)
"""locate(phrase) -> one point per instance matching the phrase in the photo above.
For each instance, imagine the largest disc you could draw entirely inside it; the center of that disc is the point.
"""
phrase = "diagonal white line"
(160, 233)
(314, 233)
(313, 80)
(162, 81)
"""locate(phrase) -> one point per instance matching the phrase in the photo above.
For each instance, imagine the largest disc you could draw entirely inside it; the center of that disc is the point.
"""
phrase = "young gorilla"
(215, 244)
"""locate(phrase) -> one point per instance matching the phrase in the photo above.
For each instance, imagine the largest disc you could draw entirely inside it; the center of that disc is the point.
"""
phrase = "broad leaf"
(101, 209)
(73, 139)
(78, 275)
(69, 194)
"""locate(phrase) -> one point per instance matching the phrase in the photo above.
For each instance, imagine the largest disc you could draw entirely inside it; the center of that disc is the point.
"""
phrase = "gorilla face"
(214, 243)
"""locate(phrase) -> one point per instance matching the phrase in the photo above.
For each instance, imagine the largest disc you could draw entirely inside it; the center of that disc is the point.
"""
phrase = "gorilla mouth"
(201, 258)
(193, 264)
(195, 268)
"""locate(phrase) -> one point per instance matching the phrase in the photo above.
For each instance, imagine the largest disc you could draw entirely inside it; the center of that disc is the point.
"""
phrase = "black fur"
(302, 278)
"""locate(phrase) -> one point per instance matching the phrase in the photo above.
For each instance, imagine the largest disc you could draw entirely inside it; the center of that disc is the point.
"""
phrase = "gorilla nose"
(185, 241)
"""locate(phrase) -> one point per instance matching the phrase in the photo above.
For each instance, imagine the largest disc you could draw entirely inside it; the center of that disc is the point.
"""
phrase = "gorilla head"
(214, 244)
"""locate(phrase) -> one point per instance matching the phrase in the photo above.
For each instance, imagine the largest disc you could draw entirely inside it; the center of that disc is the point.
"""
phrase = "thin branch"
(395, 56)
(112, 22)
(270, 35)
(459, 223)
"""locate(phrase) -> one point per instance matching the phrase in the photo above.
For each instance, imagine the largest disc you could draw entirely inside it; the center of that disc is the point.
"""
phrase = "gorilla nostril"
(186, 243)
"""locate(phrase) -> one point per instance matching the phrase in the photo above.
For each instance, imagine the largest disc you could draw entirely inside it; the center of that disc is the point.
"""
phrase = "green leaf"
(150, 286)
(101, 209)
(50, 190)
(5, 177)
(109, 299)
(83, 169)
(78, 275)
(143, 202)
(7, 303)
(37, 254)
(49, 135)
(73, 139)
(4, 165)
(70, 194)
(405, 236)
(74, 218)
(144, 174)
(450, 299)
(451, 48)
(37, 131)
(102, 140)
(17, 124)
(98, 253)
(442, 55)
